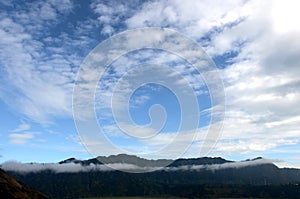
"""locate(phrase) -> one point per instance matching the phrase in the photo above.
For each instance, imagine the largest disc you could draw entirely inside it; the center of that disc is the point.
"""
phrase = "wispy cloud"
(230, 165)
(39, 77)
(22, 127)
(21, 138)
(40, 52)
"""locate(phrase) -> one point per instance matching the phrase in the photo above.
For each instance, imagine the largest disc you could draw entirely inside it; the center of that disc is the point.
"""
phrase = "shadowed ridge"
(142, 162)
(10, 188)
(199, 161)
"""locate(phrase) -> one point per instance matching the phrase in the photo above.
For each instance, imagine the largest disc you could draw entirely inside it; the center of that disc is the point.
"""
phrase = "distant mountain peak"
(70, 160)
(258, 158)
(254, 159)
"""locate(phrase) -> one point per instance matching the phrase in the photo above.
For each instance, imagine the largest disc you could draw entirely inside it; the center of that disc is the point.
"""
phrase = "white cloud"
(35, 83)
(261, 82)
(285, 15)
(262, 110)
(21, 138)
(111, 14)
(229, 165)
(194, 18)
(66, 168)
(22, 127)
(247, 146)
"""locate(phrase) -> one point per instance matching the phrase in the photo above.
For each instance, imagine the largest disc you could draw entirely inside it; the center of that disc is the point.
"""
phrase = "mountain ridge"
(135, 160)
(184, 177)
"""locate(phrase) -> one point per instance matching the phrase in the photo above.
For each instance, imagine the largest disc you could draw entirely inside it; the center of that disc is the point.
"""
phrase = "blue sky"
(255, 46)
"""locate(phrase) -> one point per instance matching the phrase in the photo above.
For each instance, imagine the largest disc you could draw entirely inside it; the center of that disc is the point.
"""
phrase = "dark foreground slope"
(12, 189)
(115, 183)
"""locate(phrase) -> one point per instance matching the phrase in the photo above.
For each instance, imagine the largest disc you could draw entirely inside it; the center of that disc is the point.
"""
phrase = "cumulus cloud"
(111, 14)
(194, 18)
(261, 81)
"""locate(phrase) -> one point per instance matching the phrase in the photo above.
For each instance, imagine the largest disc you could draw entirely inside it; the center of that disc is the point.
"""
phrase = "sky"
(244, 105)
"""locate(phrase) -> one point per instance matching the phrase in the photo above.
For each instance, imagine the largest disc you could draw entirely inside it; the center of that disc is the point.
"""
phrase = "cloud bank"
(24, 168)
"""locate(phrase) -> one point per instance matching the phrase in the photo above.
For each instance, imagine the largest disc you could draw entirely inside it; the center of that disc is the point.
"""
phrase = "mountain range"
(141, 162)
(202, 177)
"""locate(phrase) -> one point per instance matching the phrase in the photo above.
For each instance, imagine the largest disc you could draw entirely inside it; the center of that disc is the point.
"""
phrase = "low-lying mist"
(77, 167)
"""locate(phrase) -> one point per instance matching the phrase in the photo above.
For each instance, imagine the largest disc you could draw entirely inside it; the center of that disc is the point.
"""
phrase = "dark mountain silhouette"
(121, 158)
(191, 178)
(142, 162)
(12, 189)
(198, 161)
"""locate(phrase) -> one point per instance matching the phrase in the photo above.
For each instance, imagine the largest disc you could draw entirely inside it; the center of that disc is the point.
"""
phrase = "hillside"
(12, 189)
